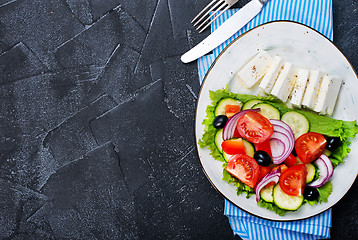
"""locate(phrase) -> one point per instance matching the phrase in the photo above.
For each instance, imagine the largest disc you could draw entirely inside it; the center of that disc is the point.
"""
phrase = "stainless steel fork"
(203, 18)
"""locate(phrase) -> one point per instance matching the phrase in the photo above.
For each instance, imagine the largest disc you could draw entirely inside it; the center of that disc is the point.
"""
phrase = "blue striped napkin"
(318, 15)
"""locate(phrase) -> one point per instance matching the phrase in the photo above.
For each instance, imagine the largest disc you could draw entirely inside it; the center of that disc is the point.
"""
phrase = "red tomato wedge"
(254, 127)
(264, 171)
(293, 180)
(236, 133)
(264, 146)
(231, 110)
(290, 160)
(282, 166)
(244, 168)
(233, 146)
(310, 146)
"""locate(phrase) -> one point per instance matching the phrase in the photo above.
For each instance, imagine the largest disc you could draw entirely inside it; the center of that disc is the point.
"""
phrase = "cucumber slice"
(219, 140)
(226, 156)
(249, 150)
(266, 193)
(220, 107)
(311, 172)
(250, 104)
(298, 123)
(285, 201)
(268, 111)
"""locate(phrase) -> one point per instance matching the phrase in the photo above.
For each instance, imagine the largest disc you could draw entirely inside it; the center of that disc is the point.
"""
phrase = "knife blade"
(226, 30)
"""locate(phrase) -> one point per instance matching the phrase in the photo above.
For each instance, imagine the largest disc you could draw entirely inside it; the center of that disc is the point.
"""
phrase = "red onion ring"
(282, 141)
(325, 167)
(277, 148)
(273, 176)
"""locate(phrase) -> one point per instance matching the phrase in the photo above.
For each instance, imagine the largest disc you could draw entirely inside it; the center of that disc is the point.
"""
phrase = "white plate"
(303, 47)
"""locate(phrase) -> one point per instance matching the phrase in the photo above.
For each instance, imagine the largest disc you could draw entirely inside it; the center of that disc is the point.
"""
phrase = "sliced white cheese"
(271, 76)
(255, 69)
(327, 95)
(299, 88)
(311, 93)
(284, 83)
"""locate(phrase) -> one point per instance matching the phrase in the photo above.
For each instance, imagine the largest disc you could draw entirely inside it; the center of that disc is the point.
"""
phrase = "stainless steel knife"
(226, 30)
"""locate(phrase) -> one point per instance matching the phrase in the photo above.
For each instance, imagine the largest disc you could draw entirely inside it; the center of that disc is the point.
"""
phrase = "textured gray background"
(96, 122)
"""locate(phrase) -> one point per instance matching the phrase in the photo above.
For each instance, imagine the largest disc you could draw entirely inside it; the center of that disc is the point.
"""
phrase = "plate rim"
(196, 119)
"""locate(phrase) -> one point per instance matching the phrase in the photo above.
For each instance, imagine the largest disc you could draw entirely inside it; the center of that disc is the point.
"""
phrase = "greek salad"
(285, 157)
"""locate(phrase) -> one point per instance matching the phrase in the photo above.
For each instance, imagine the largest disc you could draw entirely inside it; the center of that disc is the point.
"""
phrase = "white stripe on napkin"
(318, 15)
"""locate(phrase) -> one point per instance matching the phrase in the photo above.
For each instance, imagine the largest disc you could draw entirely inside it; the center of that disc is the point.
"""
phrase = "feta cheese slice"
(299, 88)
(313, 85)
(284, 83)
(328, 94)
(272, 74)
(255, 69)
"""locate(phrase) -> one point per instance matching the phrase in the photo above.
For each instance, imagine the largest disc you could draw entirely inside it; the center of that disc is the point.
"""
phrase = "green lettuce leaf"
(324, 192)
(272, 207)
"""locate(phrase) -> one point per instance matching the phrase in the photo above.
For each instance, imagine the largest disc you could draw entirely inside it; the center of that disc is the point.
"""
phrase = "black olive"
(220, 121)
(311, 193)
(333, 143)
(294, 152)
(262, 158)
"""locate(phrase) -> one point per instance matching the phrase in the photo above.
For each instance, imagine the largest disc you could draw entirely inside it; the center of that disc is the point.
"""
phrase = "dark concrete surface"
(97, 122)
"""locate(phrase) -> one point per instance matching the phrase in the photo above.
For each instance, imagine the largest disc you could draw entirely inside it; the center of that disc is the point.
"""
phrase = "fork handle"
(263, 1)
(231, 2)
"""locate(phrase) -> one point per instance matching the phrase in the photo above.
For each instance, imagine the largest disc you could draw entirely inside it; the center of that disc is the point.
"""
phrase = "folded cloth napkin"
(250, 227)
(318, 15)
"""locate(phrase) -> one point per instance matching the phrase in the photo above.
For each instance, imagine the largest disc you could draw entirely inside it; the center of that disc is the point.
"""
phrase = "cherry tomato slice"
(290, 160)
(310, 146)
(264, 146)
(244, 168)
(231, 110)
(293, 180)
(233, 146)
(254, 127)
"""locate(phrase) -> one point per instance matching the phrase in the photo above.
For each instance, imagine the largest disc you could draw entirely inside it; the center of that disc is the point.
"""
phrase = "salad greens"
(318, 123)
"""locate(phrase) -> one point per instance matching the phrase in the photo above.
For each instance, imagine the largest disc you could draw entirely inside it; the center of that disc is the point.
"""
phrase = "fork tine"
(219, 8)
(207, 25)
(208, 12)
(202, 11)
